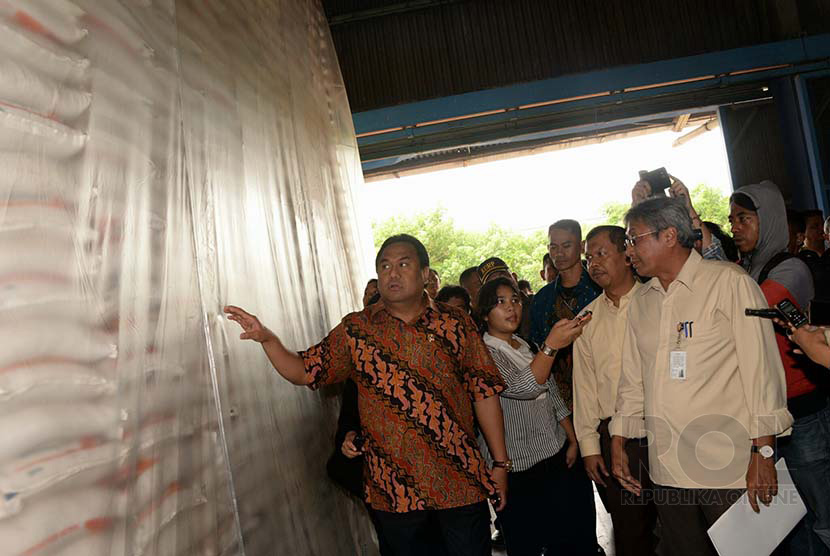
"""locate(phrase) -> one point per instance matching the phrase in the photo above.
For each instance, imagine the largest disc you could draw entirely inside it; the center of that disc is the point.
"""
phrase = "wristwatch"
(765, 451)
(547, 350)
(507, 464)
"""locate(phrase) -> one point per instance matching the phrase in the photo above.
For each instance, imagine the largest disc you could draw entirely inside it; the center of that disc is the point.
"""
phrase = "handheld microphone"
(763, 313)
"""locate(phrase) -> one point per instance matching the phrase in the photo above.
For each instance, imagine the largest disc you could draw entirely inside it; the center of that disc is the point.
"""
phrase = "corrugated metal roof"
(442, 48)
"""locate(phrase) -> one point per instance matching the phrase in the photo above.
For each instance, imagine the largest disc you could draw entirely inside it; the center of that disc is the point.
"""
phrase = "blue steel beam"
(370, 165)
(513, 118)
(820, 184)
(792, 52)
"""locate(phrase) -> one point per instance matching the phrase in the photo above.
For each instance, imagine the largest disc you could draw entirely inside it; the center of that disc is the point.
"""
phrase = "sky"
(528, 193)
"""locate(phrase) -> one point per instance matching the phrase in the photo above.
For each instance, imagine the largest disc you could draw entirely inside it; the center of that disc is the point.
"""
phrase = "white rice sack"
(102, 541)
(18, 289)
(55, 19)
(38, 178)
(51, 523)
(81, 464)
(43, 55)
(46, 252)
(50, 425)
(51, 381)
(116, 22)
(23, 87)
(86, 311)
(199, 514)
(51, 340)
(31, 214)
(22, 131)
(26, 477)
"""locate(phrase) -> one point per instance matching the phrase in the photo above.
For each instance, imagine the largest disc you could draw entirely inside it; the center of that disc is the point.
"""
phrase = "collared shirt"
(554, 302)
(532, 411)
(415, 383)
(597, 364)
(700, 415)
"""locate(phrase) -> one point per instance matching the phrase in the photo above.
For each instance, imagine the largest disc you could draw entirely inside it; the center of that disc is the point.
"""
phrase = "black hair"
(810, 213)
(466, 274)
(524, 285)
(744, 201)
(488, 296)
(797, 219)
(616, 235)
(568, 225)
(448, 292)
(546, 260)
(371, 280)
(726, 241)
(420, 250)
(374, 299)
(662, 213)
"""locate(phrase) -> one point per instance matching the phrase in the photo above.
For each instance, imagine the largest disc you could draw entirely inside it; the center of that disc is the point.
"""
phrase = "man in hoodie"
(759, 226)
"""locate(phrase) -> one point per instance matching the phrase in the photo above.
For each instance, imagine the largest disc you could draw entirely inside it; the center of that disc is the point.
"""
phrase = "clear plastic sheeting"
(159, 159)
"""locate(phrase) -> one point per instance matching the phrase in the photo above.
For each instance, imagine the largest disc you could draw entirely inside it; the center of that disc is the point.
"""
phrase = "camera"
(658, 180)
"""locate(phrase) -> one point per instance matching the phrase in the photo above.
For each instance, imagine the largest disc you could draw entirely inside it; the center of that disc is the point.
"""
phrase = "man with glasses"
(701, 377)
(565, 298)
(710, 246)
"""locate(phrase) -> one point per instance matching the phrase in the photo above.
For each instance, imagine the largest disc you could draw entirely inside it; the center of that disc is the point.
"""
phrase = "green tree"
(451, 249)
(614, 213)
(711, 205)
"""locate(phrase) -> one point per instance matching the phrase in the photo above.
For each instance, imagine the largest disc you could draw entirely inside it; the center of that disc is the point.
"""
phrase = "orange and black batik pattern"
(416, 383)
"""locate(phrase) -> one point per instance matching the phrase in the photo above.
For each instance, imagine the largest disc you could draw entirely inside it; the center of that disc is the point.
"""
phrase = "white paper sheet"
(742, 532)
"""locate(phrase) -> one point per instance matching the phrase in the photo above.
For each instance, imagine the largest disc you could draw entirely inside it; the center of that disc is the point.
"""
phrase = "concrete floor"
(605, 531)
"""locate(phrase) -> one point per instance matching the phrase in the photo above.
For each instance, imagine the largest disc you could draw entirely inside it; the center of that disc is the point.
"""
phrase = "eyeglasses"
(631, 241)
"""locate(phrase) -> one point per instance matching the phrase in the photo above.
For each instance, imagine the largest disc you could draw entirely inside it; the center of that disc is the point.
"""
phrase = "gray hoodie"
(793, 274)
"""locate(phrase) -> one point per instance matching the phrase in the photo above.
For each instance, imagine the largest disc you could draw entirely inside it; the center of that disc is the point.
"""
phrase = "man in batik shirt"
(418, 366)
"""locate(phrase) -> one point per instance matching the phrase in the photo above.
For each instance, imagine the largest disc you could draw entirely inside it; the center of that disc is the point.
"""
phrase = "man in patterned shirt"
(418, 366)
(565, 298)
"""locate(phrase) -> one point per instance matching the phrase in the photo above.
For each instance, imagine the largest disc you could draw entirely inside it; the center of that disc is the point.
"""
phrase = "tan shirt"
(597, 365)
(730, 390)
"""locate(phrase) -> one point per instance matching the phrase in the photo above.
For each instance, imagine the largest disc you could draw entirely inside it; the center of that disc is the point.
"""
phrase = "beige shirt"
(597, 365)
(701, 415)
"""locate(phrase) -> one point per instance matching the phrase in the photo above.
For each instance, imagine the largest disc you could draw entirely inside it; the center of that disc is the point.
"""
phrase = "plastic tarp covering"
(161, 159)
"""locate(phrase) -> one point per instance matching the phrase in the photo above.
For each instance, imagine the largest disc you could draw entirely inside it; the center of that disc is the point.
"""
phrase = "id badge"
(678, 365)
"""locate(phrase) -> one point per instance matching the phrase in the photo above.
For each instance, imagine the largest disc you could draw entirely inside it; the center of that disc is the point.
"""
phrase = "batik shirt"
(415, 385)
(554, 302)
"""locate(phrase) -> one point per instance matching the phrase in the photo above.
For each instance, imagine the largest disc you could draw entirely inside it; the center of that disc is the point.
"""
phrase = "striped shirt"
(532, 411)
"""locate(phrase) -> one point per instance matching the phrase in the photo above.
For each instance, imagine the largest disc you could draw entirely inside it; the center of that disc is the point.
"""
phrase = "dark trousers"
(685, 516)
(807, 452)
(581, 517)
(532, 518)
(465, 531)
(538, 512)
(634, 517)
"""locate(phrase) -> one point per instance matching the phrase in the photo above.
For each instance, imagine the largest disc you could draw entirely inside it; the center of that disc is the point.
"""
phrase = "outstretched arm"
(286, 362)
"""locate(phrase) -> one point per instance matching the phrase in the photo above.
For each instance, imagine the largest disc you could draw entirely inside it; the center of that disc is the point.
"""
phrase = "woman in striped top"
(539, 434)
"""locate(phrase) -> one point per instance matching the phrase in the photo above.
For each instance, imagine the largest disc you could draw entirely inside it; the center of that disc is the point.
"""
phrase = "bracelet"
(547, 350)
(506, 464)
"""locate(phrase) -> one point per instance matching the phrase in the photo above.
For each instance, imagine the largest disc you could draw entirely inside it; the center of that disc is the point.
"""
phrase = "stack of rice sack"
(108, 436)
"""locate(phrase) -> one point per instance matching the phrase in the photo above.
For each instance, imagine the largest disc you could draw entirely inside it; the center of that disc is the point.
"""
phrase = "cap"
(490, 267)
